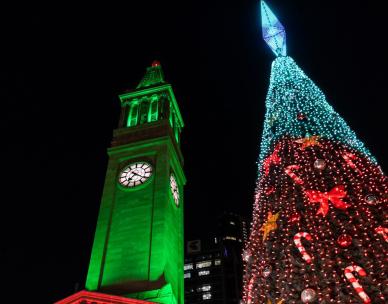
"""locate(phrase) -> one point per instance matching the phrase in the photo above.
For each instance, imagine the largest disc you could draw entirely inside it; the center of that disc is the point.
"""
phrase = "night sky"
(62, 67)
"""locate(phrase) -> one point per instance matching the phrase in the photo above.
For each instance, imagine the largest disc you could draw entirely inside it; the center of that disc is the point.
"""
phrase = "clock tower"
(138, 244)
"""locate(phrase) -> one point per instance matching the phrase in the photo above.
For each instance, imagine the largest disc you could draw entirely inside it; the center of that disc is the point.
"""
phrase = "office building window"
(203, 264)
(230, 238)
(206, 287)
(203, 273)
(187, 275)
(207, 296)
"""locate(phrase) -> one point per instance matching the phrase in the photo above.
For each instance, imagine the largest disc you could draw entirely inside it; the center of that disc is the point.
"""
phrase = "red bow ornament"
(271, 159)
(334, 196)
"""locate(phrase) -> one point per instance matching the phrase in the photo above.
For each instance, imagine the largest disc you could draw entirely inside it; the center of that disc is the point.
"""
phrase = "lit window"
(230, 238)
(217, 262)
(132, 117)
(153, 110)
(203, 264)
(207, 296)
(187, 275)
(203, 273)
(206, 287)
(188, 266)
(143, 111)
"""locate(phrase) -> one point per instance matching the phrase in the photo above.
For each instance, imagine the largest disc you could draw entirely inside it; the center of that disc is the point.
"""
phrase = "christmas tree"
(319, 232)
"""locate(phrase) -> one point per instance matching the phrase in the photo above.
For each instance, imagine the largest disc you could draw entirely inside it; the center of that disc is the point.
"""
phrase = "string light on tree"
(327, 192)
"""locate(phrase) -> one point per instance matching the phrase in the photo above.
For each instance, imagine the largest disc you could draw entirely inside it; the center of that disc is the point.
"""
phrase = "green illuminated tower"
(138, 245)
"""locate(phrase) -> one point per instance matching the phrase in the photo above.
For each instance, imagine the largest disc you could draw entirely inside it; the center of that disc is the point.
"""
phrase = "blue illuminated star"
(274, 33)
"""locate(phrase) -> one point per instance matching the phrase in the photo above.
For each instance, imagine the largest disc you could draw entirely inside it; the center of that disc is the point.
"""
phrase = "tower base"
(163, 295)
(88, 297)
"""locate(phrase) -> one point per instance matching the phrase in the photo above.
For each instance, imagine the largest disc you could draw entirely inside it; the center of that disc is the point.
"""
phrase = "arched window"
(143, 112)
(133, 114)
(153, 112)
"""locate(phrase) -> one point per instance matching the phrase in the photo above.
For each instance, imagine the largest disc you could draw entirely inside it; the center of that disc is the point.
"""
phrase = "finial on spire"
(274, 33)
(155, 63)
(153, 76)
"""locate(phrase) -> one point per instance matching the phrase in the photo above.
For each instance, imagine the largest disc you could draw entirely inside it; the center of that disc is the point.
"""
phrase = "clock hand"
(134, 173)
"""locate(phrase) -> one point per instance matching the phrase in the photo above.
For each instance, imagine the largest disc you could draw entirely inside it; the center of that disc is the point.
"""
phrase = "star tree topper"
(274, 33)
(270, 224)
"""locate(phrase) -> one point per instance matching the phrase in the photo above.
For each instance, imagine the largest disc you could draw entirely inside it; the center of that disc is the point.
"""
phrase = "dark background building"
(213, 265)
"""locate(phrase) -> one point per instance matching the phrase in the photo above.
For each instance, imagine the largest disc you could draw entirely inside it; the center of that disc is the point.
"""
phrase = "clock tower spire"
(138, 244)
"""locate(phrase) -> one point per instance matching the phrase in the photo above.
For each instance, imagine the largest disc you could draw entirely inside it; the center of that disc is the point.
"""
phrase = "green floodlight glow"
(138, 250)
(153, 76)
(274, 33)
(292, 94)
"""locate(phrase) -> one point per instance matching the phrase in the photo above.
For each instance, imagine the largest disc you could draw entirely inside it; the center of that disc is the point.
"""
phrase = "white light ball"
(267, 271)
(371, 199)
(247, 256)
(308, 295)
(319, 164)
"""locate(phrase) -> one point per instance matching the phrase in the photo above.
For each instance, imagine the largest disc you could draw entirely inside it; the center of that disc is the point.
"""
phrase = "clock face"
(174, 189)
(135, 174)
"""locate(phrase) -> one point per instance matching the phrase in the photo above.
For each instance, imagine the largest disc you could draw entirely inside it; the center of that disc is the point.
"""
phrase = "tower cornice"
(128, 97)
